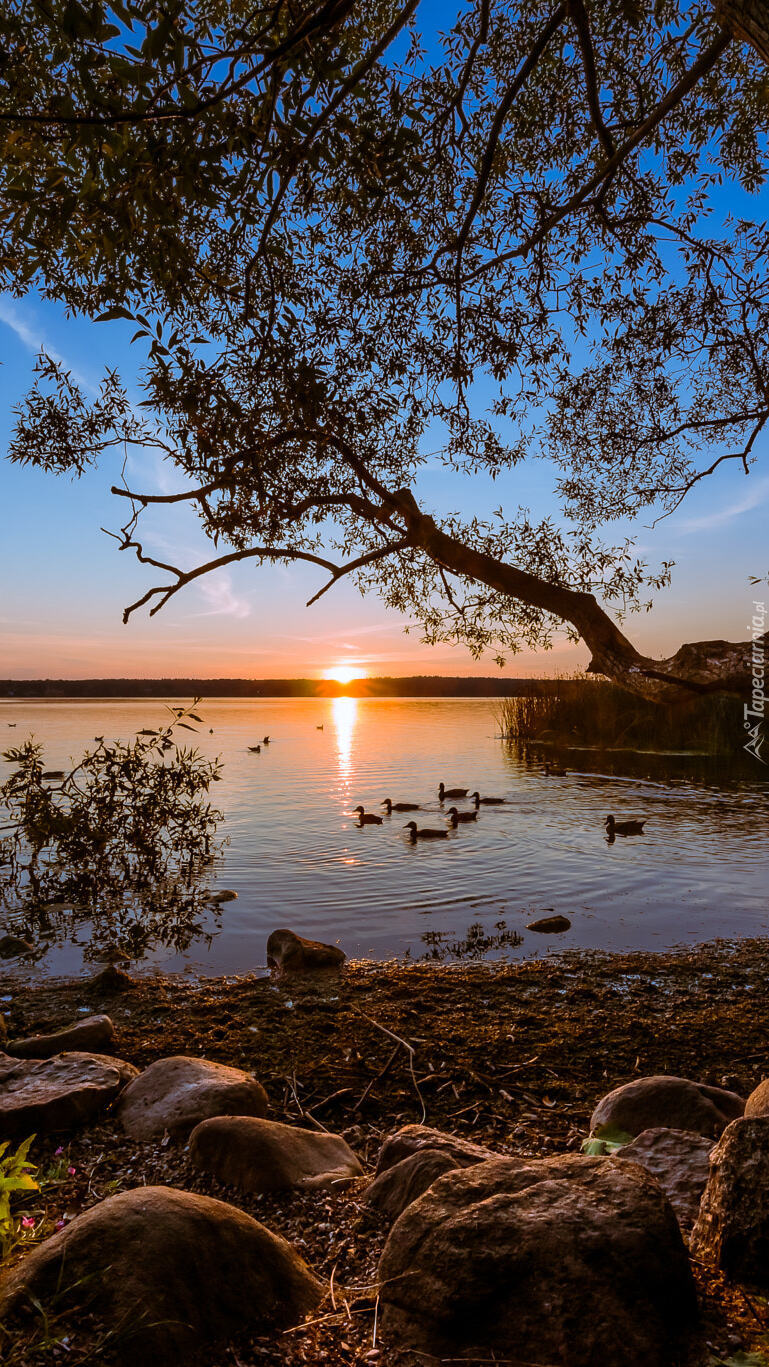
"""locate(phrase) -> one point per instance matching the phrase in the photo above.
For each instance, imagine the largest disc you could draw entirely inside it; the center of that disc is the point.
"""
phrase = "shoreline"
(513, 1055)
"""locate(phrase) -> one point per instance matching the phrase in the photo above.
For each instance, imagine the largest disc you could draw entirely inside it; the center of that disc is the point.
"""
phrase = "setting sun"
(344, 674)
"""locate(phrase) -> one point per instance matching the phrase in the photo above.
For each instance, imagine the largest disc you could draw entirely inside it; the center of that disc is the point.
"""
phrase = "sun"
(344, 674)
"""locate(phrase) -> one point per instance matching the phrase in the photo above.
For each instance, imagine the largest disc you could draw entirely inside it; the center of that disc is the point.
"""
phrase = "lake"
(296, 857)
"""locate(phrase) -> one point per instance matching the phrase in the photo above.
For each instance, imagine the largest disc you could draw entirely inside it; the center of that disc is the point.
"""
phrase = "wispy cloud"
(222, 599)
(755, 496)
(34, 340)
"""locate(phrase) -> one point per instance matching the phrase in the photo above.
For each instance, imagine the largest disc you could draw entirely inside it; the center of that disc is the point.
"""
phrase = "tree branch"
(368, 559)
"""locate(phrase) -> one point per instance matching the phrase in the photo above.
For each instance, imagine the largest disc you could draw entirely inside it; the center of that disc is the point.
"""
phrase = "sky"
(65, 583)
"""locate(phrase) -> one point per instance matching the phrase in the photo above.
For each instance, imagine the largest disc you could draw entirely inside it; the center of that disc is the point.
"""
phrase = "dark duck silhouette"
(426, 833)
(366, 818)
(391, 807)
(487, 801)
(456, 818)
(443, 792)
(623, 827)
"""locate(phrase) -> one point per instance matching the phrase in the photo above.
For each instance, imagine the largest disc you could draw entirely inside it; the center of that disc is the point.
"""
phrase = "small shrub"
(15, 1175)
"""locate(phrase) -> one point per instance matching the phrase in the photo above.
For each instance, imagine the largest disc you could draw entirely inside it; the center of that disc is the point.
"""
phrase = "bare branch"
(578, 15)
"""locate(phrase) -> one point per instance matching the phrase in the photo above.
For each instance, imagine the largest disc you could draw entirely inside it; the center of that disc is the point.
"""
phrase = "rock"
(3, 1031)
(414, 1138)
(11, 947)
(291, 953)
(397, 1187)
(757, 1104)
(57, 1093)
(263, 1155)
(175, 1094)
(111, 979)
(550, 925)
(94, 1033)
(557, 1260)
(672, 1103)
(679, 1160)
(732, 1229)
(226, 895)
(167, 1274)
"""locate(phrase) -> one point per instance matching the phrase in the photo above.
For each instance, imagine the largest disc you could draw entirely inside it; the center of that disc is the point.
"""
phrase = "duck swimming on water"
(443, 792)
(391, 807)
(487, 801)
(623, 827)
(366, 818)
(255, 749)
(553, 770)
(426, 833)
(456, 817)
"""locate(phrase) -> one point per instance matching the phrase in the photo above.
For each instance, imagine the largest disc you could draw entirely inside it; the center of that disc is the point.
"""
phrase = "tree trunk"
(748, 20)
(698, 668)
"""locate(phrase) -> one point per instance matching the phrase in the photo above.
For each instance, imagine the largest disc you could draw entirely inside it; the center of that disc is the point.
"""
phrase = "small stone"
(414, 1138)
(91, 1035)
(550, 925)
(111, 979)
(732, 1229)
(663, 1102)
(176, 1094)
(11, 947)
(397, 1187)
(58, 1093)
(290, 953)
(226, 895)
(264, 1155)
(165, 1275)
(555, 1260)
(680, 1162)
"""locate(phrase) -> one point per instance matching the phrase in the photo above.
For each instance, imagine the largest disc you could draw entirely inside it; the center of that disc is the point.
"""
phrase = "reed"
(576, 709)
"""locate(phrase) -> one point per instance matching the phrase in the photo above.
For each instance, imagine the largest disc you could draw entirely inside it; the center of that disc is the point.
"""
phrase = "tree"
(336, 239)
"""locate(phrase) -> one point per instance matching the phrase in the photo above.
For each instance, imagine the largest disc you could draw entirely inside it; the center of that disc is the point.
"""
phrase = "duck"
(318, 728)
(391, 807)
(455, 817)
(553, 770)
(367, 818)
(265, 740)
(487, 801)
(426, 833)
(623, 827)
(255, 749)
(443, 791)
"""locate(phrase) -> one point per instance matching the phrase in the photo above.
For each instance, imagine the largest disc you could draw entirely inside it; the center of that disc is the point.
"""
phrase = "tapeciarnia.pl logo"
(755, 711)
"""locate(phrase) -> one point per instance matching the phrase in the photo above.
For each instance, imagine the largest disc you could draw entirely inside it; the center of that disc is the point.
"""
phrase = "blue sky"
(66, 583)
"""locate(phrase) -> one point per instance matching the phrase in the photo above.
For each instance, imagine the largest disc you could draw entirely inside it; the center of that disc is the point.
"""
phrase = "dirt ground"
(513, 1055)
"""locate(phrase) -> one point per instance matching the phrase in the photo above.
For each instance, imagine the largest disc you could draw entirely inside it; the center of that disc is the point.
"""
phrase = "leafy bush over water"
(579, 710)
(121, 840)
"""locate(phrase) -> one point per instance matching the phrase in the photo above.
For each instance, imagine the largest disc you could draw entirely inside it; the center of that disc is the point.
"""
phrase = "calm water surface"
(296, 857)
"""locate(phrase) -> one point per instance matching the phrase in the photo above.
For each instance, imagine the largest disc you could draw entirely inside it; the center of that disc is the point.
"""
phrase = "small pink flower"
(60, 1224)
(71, 1172)
(59, 1152)
(27, 1222)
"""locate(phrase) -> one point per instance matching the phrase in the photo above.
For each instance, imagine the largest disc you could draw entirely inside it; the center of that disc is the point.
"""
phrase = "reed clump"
(577, 709)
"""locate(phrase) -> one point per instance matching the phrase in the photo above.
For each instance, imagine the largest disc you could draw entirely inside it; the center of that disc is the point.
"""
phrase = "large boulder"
(679, 1160)
(92, 1033)
(556, 1260)
(175, 1094)
(291, 953)
(12, 947)
(672, 1103)
(264, 1155)
(57, 1093)
(397, 1187)
(166, 1273)
(732, 1229)
(757, 1104)
(414, 1138)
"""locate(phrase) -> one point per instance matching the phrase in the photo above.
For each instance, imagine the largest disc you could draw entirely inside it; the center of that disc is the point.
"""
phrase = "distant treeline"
(414, 686)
